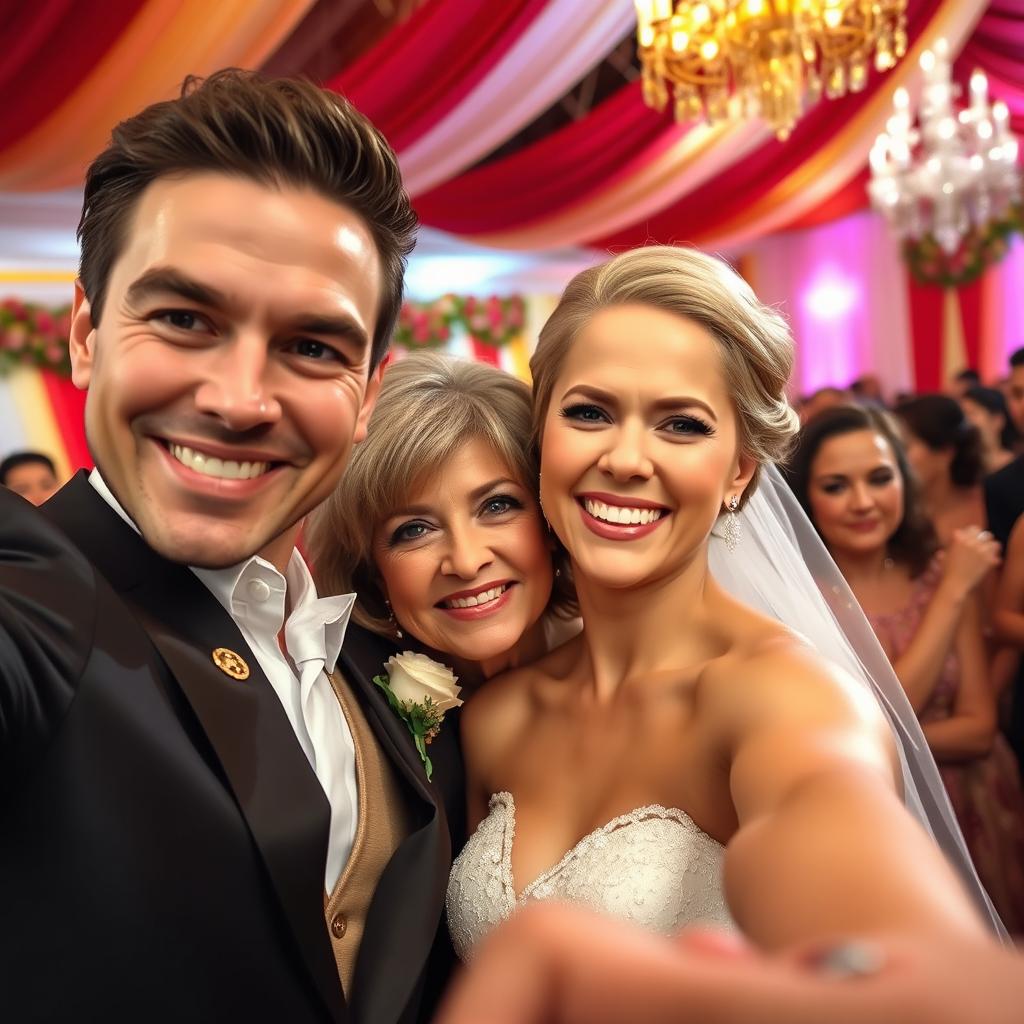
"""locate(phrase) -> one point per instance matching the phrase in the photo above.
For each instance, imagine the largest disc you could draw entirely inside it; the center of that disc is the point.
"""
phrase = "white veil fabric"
(779, 566)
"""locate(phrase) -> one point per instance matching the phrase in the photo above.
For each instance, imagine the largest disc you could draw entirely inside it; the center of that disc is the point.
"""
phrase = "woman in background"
(851, 474)
(436, 524)
(986, 409)
(945, 452)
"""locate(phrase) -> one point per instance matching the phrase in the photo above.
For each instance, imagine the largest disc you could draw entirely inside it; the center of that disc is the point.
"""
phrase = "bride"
(687, 757)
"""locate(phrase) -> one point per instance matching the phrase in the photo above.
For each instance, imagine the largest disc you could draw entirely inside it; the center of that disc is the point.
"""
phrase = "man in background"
(30, 474)
(1004, 490)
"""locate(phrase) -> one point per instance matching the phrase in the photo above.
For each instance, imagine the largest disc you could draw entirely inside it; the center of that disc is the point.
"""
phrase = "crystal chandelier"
(768, 58)
(953, 172)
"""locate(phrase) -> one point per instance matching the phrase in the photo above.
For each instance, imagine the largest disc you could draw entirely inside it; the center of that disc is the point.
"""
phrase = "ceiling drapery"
(453, 81)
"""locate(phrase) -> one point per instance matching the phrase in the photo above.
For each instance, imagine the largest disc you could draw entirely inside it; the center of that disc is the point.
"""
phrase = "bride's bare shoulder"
(505, 705)
(772, 674)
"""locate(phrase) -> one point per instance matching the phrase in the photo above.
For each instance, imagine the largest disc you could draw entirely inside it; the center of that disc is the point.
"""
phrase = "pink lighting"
(841, 285)
(830, 296)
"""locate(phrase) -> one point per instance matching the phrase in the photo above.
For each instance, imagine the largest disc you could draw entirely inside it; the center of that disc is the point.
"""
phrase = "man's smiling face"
(229, 376)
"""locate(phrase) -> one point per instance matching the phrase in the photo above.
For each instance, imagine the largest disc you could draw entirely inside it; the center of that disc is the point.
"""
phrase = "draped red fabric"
(970, 297)
(49, 47)
(421, 70)
(926, 313)
(68, 404)
(565, 166)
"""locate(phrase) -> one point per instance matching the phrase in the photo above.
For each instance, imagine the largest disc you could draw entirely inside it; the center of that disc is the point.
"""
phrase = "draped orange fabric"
(164, 41)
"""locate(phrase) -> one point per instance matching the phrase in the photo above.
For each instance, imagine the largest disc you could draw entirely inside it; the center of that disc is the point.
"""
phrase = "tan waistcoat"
(383, 824)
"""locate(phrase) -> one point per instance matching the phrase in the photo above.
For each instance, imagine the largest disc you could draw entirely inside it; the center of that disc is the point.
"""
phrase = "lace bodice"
(653, 867)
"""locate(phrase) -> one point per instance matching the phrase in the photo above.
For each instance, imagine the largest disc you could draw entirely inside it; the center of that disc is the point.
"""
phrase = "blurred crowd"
(919, 500)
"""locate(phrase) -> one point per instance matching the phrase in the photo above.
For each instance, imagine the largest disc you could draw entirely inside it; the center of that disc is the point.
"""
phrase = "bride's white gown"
(653, 867)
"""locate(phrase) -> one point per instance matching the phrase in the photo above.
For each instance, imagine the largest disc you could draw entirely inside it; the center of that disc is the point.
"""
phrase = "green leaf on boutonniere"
(423, 720)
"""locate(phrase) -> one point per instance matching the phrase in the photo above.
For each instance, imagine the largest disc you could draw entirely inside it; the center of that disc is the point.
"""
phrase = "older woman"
(437, 526)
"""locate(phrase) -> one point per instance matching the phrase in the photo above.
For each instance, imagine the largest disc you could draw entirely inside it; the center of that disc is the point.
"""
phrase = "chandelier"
(767, 58)
(956, 170)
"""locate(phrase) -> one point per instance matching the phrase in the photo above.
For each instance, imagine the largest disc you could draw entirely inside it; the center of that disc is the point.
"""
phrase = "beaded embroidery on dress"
(653, 867)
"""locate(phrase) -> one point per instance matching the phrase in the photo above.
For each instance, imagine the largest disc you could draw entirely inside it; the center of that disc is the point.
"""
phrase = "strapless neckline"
(638, 814)
(652, 866)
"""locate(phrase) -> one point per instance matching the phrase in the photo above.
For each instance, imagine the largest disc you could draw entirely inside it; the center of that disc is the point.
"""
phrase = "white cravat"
(253, 593)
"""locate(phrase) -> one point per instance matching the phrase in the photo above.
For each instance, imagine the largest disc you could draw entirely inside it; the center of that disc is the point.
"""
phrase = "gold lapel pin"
(230, 664)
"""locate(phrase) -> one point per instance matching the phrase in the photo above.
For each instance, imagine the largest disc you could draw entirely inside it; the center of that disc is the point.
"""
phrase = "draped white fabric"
(562, 44)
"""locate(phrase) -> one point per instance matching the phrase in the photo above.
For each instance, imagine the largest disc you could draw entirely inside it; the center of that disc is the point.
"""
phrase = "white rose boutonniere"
(420, 692)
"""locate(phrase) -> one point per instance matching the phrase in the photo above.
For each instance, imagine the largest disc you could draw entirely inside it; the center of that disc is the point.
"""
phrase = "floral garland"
(980, 248)
(495, 321)
(34, 335)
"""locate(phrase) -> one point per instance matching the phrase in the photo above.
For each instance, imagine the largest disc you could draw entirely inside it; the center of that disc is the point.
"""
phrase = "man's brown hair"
(272, 131)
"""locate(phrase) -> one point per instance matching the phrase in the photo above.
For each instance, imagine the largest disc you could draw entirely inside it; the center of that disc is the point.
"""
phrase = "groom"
(207, 810)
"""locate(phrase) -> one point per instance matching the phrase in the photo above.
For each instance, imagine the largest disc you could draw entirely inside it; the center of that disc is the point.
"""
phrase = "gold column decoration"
(726, 59)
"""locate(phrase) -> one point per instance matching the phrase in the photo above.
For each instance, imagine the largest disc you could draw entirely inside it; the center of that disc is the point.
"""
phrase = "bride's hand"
(563, 965)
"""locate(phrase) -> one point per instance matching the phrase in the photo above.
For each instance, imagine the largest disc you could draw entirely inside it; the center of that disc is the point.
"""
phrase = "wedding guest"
(560, 964)
(1015, 390)
(33, 475)
(687, 757)
(945, 452)
(823, 398)
(436, 524)
(986, 409)
(867, 389)
(1004, 490)
(1009, 625)
(851, 474)
(962, 382)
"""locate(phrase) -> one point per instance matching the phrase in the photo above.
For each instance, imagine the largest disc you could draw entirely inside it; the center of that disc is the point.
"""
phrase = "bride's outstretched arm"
(557, 964)
(824, 845)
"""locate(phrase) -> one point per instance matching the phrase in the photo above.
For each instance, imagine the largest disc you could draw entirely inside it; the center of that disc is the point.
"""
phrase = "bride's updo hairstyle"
(754, 341)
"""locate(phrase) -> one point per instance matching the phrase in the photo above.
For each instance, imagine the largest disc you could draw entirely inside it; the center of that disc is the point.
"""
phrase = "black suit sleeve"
(47, 619)
(1004, 498)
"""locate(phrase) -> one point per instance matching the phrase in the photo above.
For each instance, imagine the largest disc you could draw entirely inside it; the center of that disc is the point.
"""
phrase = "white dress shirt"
(254, 594)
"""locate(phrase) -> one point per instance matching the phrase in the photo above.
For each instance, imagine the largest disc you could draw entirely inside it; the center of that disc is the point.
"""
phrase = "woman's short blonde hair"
(429, 407)
(754, 341)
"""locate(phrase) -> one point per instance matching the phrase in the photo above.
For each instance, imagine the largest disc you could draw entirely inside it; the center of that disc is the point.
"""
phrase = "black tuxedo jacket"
(162, 835)
(1004, 499)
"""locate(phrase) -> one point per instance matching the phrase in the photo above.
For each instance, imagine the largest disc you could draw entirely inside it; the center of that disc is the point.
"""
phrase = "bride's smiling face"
(640, 447)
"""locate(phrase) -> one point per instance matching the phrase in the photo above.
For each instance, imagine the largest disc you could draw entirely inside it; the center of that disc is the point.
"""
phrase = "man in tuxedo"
(207, 809)
(1004, 504)
(1004, 490)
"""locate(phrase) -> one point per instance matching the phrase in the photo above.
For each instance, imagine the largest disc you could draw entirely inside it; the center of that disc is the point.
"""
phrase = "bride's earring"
(394, 622)
(731, 533)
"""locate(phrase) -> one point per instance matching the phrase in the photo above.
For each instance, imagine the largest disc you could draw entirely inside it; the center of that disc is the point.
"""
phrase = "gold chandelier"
(767, 58)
